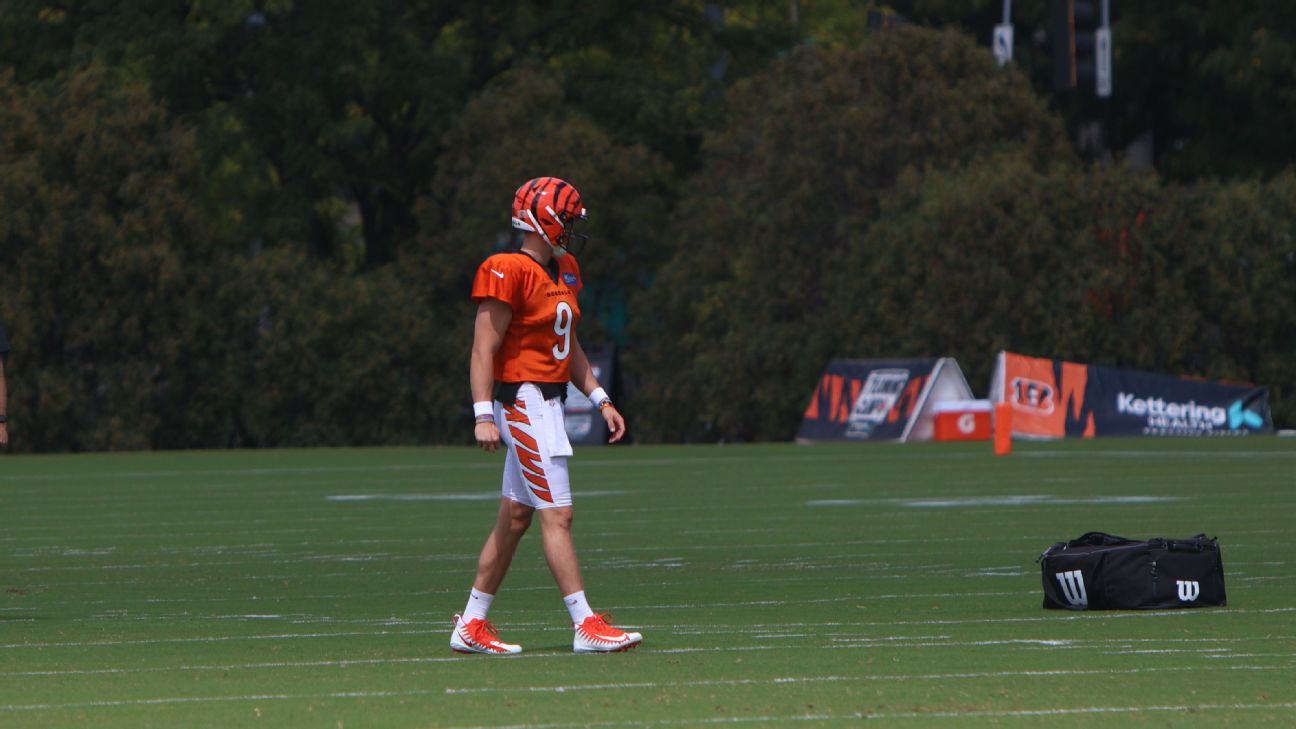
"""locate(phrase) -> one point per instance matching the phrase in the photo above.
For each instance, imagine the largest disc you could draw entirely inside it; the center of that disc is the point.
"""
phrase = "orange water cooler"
(962, 420)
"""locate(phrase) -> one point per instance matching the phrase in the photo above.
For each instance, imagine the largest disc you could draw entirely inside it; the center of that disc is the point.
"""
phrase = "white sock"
(478, 605)
(578, 606)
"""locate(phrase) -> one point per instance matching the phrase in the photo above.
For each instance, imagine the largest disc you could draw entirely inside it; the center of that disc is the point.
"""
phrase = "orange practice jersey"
(539, 339)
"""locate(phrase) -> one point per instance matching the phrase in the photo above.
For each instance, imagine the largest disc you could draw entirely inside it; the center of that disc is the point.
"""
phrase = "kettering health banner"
(1055, 399)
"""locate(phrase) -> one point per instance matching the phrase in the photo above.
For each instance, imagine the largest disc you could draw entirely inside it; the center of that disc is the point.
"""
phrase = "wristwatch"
(3, 419)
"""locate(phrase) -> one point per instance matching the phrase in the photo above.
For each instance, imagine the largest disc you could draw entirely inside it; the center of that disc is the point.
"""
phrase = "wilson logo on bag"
(1099, 571)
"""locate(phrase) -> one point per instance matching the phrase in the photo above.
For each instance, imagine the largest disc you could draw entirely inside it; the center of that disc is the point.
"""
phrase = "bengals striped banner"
(1055, 399)
(877, 399)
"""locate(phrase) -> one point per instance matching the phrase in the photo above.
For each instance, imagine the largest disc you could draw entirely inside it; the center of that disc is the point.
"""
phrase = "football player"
(524, 353)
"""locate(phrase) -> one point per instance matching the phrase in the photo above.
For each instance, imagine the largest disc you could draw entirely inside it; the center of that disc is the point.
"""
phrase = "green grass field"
(775, 585)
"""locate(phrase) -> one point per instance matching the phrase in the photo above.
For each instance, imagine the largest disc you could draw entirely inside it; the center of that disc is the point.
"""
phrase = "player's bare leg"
(593, 633)
(472, 632)
(511, 524)
(559, 550)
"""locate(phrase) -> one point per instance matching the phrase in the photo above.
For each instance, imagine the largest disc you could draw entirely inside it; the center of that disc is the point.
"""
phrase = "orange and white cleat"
(596, 635)
(479, 636)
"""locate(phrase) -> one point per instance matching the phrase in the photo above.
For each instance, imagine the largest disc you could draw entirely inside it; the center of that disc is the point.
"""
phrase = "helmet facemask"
(565, 239)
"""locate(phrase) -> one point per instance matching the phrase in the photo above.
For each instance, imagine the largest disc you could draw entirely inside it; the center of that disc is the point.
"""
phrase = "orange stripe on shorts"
(516, 414)
(540, 487)
(523, 438)
(530, 463)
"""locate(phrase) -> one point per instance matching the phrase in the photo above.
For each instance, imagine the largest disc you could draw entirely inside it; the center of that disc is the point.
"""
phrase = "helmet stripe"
(548, 206)
(540, 182)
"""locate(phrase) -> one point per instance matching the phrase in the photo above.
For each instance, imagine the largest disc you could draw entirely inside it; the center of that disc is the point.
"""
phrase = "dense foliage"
(813, 148)
(255, 223)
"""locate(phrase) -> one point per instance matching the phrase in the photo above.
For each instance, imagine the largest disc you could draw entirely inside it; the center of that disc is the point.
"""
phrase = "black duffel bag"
(1103, 572)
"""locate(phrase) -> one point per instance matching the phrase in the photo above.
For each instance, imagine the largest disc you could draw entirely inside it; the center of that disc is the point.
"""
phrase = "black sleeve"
(4, 341)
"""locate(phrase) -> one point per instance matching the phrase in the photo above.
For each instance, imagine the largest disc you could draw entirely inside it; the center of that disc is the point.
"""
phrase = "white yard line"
(110, 703)
(410, 467)
(937, 641)
(710, 628)
(1081, 710)
(785, 681)
(1171, 455)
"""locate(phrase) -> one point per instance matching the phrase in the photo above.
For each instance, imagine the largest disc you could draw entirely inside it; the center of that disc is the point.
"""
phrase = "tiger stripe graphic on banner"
(880, 399)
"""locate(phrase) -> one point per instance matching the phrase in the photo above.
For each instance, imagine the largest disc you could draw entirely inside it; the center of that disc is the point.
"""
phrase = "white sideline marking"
(475, 496)
(345, 663)
(974, 501)
(711, 628)
(466, 466)
(1179, 708)
(217, 639)
(836, 679)
(108, 703)
(857, 716)
(1175, 455)
(876, 640)
(246, 472)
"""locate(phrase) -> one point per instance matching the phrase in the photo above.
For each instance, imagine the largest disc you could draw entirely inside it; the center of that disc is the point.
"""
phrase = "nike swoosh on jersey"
(497, 273)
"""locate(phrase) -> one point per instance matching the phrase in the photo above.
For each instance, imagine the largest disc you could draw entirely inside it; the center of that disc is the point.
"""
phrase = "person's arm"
(582, 376)
(493, 317)
(4, 406)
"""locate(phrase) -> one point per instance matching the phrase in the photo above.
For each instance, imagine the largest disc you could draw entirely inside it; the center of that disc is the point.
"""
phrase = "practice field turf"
(775, 585)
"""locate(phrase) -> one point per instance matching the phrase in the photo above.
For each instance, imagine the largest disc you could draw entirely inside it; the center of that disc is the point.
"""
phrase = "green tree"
(734, 329)
(1214, 81)
(1210, 82)
(466, 217)
(320, 123)
(1004, 255)
(1236, 249)
(106, 263)
(317, 355)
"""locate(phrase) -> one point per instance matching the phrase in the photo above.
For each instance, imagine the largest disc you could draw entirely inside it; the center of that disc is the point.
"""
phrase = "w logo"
(1073, 588)
(1189, 590)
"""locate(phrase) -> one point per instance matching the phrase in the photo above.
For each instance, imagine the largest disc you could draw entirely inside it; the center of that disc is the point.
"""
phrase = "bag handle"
(1088, 539)
(1098, 539)
(1196, 543)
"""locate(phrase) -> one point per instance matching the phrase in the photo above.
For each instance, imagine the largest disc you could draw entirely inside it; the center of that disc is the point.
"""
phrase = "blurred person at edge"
(4, 395)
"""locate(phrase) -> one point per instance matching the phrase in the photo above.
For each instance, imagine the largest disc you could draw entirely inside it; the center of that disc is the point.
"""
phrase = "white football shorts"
(535, 467)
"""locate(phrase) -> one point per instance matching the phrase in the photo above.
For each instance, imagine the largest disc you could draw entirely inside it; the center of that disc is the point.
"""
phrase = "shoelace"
(603, 620)
(485, 627)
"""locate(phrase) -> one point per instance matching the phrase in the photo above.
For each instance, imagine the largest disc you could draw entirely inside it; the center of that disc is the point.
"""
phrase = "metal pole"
(1103, 54)
(1007, 11)
(1002, 43)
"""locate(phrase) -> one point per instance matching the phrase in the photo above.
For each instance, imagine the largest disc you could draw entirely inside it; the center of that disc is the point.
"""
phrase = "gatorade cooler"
(962, 420)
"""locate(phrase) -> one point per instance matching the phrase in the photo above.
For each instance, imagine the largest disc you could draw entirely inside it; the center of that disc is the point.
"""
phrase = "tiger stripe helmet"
(549, 206)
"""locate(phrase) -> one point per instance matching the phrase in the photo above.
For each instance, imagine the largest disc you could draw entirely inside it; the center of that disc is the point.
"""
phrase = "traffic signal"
(1081, 46)
(1072, 24)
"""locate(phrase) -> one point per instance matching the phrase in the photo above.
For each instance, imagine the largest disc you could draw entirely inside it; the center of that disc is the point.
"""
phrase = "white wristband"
(483, 408)
(598, 397)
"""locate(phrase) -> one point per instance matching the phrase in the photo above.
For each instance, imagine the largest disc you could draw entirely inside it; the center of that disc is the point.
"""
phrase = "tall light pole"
(1003, 36)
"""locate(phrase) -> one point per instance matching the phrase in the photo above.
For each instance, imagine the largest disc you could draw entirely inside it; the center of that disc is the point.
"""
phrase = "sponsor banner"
(583, 423)
(1056, 399)
(882, 400)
